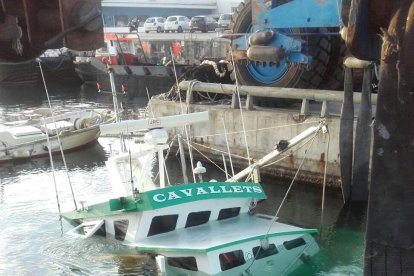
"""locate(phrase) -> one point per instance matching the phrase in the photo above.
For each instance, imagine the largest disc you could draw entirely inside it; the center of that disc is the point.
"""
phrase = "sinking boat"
(204, 228)
(39, 133)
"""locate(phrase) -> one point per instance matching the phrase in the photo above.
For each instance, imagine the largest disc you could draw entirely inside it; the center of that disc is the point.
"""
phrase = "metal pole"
(113, 89)
(182, 158)
(292, 142)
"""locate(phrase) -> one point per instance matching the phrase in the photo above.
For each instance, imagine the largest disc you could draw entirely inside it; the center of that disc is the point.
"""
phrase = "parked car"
(155, 24)
(225, 20)
(203, 23)
(177, 23)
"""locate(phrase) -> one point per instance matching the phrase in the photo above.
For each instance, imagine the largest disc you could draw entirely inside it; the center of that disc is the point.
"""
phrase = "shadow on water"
(86, 158)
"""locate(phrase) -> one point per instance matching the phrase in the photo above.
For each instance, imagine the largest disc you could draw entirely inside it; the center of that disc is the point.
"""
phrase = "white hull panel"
(69, 141)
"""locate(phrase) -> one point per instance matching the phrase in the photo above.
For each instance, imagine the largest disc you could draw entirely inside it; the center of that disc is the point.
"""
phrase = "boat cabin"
(230, 246)
(121, 49)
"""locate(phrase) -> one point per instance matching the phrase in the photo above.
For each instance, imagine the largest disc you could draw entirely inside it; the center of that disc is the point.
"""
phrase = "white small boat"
(34, 137)
(206, 228)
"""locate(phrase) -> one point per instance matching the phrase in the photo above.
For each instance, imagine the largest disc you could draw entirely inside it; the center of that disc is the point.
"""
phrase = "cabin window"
(162, 224)
(121, 227)
(260, 253)
(231, 259)
(294, 243)
(228, 213)
(188, 263)
(197, 218)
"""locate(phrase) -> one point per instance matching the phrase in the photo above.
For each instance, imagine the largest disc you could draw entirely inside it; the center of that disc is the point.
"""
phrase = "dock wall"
(264, 128)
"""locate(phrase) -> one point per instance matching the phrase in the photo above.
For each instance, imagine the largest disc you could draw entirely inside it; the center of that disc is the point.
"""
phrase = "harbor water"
(32, 236)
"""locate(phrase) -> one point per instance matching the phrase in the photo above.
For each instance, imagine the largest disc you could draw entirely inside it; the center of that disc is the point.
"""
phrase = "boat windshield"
(123, 46)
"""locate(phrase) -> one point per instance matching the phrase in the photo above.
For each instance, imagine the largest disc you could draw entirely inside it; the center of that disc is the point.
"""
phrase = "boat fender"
(80, 123)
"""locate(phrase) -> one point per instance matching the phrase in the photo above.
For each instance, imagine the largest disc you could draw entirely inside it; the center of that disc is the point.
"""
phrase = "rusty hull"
(27, 28)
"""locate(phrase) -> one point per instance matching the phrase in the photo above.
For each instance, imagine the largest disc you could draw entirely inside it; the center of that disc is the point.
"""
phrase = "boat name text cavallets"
(207, 190)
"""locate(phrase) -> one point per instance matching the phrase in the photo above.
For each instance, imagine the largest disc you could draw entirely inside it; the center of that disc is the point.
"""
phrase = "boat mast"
(292, 142)
(114, 93)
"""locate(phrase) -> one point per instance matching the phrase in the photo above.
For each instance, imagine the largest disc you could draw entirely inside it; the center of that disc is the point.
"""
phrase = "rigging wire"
(211, 161)
(60, 144)
(228, 148)
(182, 112)
(149, 103)
(240, 108)
(324, 178)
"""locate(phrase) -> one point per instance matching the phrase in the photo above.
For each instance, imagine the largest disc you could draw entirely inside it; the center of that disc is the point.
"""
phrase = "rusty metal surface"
(30, 27)
(238, 55)
(91, 35)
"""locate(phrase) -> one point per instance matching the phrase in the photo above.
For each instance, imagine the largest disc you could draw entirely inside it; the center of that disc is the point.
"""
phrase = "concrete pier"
(265, 127)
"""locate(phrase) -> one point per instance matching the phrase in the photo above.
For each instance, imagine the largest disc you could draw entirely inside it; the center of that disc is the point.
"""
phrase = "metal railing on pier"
(305, 95)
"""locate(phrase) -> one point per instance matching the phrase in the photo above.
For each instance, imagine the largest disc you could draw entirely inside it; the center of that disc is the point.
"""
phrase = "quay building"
(117, 13)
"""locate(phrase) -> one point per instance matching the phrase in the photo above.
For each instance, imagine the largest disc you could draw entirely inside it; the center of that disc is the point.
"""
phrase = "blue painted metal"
(282, 19)
(270, 74)
(267, 74)
(300, 14)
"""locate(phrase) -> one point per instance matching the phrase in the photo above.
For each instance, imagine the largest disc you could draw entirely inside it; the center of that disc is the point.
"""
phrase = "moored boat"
(133, 67)
(37, 135)
(57, 67)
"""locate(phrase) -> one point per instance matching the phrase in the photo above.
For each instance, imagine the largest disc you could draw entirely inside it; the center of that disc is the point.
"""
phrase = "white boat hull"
(69, 141)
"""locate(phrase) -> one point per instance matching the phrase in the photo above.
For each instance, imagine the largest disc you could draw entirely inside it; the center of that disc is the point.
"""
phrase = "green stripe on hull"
(206, 250)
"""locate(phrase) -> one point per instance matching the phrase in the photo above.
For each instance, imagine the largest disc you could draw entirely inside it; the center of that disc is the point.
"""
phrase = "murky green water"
(32, 239)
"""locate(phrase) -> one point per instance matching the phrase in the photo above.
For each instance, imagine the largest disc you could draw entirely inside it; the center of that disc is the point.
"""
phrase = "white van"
(177, 23)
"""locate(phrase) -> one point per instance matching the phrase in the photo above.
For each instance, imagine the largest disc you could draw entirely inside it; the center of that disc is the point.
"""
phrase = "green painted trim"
(170, 196)
(190, 250)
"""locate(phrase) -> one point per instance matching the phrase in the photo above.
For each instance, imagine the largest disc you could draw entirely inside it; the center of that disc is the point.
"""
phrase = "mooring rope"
(60, 146)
